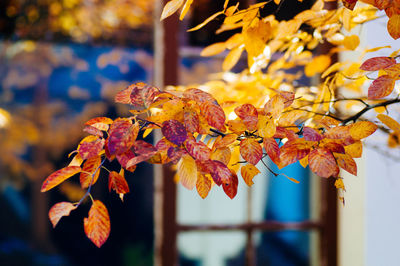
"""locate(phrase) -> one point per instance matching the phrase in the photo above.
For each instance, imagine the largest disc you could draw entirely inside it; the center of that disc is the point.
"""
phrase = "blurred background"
(62, 62)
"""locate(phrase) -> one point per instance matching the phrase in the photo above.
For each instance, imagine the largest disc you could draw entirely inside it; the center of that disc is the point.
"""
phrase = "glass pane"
(283, 248)
(211, 248)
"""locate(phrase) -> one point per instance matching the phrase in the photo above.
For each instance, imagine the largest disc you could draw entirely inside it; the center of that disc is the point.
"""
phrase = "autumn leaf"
(221, 154)
(197, 150)
(117, 182)
(351, 42)
(97, 226)
(293, 151)
(230, 188)
(249, 115)
(322, 163)
(266, 127)
(389, 122)
(251, 150)
(88, 176)
(224, 141)
(124, 158)
(362, 129)
(377, 63)
(93, 131)
(60, 210)
(122, 134)
(170, 8)
(311, 134)
(317, 65)
(354, 150)
(185, 9)
(213, 49)
(272, 149)
(187, 172)
(191, 120)
(393, 26)
(381, 87)
(205, 22)
(275, 105)
(143, 151)
(142, 96)
(214, 115)
(232, 58)
(174, 131)
(101, 123)
(59, 176)
(199, 96)
(248, 172)
(89, 150)
(203, 185)
(346, 162)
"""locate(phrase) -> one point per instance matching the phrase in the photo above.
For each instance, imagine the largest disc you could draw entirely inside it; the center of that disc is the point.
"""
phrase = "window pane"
(211, 248)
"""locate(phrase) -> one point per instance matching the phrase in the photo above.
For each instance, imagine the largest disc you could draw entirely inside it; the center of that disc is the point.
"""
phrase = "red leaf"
(218, 170)
(175, 154)
(60, 210)
(97, 226)
(311, 134)
(272, 149)
(124, 96)
(249, 115)
(322, 162)
(191, 120)
(93, 131)
(293, 151)
(199, 96)
(124, 158)
(333, 146)
(230, 188)
(59, 176)
(88, 169)
(251, 150)
(381, 87)
(288, 96)
(122, 134)
(214, 115)
(118, 183)
(377, 63)
(284, 133)
(142, 96)
(174, 131)
(143, 152)
(197, 150)
(90, 149)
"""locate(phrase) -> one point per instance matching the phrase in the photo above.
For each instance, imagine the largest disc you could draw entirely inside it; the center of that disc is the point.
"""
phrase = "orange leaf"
(362, 129)
(377, 63)
(118, 183)
(393, 71)
(249, 115)
(322, 162)
(251, 150)
(224, 141)
(191, 120)
(187, 171)
(88, 169)
(317, 65)
(97, 225)
(381, 87)
(185, 9)
(346, 162)
(60, 210)
(266, 127)
(214, 115)
(248, 172)
(91, 149)
(222, 155)
(275, 105)
(393, 26)
(203, 185)
(272, 149)
(354, 150)
(389, 122)
(142, 96)
(293, 151)
(236, 126)
(59, 176)
(199, 96)
(101, 123)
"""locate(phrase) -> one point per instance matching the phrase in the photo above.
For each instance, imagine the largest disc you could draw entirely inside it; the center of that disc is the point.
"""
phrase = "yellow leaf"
(266, 127)
(362, 129)
(203, 185)
(213, 49)
(232, 58)
(333, 68)
(389, 122)
(317, 65)
(354, 150)
(248, 172)
(185, 9)
(256, 36)
(170, 8)
(304, 162)
(147, 132)
(339, 184)
(187, 171)
(205, 22)
(351, 42)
